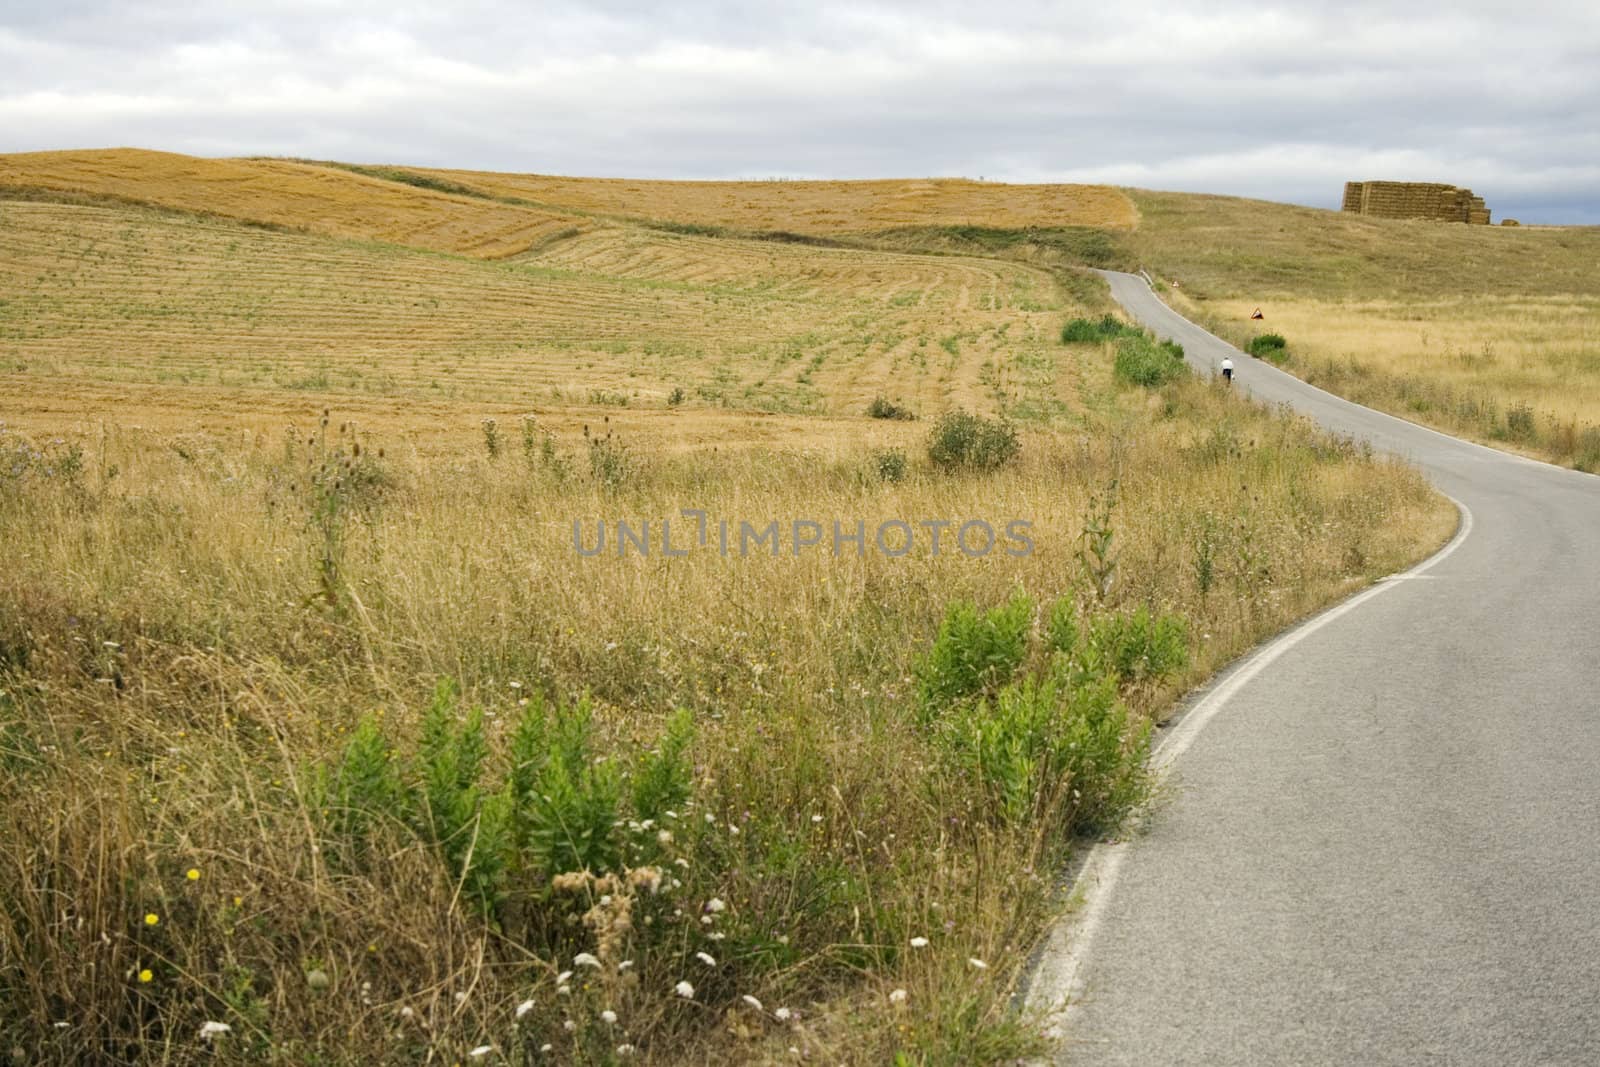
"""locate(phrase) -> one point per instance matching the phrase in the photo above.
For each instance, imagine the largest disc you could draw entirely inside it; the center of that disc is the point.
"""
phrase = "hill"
(818, 207)
(323, 200)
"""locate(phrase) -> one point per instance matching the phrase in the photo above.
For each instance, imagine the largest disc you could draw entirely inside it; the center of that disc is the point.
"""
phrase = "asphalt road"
(1381, 843)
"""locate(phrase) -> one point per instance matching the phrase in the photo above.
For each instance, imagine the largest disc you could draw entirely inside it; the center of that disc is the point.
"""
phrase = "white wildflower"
(919, 942)
(212, 1029)
(569, 1026)
(524, 1008)
(706, 958)
(563, 978)
(608, 1016)
(782, 1015)
(753, 1002)
(625, 965)
(624, 1050)
(897, 997)
(481, 1051)
(664, 837)
(976, 962)
(684, 990)
(715, 905)
(584, 959)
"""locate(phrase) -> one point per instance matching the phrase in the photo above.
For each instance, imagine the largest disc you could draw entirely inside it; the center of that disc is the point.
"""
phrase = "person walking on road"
(1227, 370)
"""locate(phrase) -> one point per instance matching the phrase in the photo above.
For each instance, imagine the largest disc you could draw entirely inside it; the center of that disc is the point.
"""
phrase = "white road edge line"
(1056, 986)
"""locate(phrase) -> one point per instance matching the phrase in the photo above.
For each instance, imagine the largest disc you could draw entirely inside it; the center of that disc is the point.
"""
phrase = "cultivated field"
(615, 321)
(325, 715)
(817, 207)
(1490, 332)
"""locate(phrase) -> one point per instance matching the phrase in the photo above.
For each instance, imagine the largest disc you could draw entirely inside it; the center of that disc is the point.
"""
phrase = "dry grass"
(1519, 372)
(1483, 331)
(294, 195)
(220, 625)
(818, 207)
(175, 686)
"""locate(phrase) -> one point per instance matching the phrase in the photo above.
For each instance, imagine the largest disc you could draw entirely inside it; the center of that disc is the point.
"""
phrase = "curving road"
(1384, 844)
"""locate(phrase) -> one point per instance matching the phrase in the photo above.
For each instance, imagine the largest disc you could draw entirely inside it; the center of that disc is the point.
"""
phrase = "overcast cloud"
(1283, 102)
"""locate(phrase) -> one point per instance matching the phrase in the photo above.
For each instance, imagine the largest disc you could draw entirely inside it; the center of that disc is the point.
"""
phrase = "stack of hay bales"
(1415, 200)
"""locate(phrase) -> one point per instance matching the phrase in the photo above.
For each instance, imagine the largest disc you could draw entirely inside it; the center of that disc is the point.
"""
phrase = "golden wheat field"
(300, 196)
(819, 207)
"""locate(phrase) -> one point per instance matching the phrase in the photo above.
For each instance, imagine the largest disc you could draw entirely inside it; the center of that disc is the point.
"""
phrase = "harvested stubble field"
(615, 319)
(817, 207)
(293, 195)
(1484, 331)
(320, 726)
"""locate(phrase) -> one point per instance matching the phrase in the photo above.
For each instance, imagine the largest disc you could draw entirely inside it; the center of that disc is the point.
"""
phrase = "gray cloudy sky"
(1284, 102)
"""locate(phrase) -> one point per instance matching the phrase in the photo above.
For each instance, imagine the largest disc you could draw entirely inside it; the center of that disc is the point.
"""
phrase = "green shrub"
(451, 808)
(1098, 756)
(891, 464)
(559, 807)
(1062, 746)
(566, 800)
(365, 787)
(663, 778)
(1061, 630)
(1142, 361)
(1269, 346)
(1137, 646)
(962, 440)
(974, 653)
(1105, 328)
(884, 408)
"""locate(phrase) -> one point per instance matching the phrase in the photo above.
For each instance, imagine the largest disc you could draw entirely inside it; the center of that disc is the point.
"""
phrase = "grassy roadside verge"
(809, 800)
(1484, 332)
(1515, 374)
